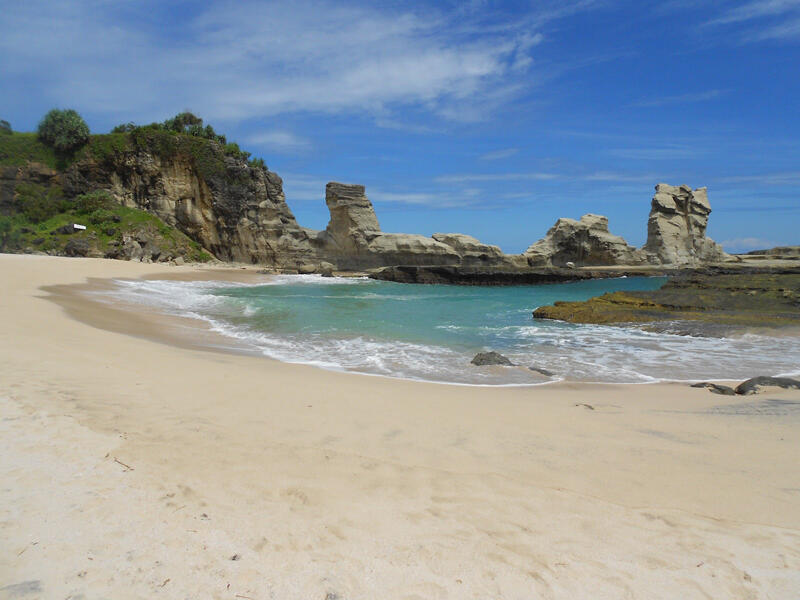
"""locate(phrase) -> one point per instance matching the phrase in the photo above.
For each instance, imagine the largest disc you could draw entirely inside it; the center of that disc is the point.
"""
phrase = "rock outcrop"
(491, 358)
(475, 253)
(235, 210)
(585, 243)
(676, 229)
(676, 236)
(353, 238)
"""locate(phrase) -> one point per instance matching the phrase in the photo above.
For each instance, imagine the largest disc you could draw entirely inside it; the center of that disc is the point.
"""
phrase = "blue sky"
(487, 118)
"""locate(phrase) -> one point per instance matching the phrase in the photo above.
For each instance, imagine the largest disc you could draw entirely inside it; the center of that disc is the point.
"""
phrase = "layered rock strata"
(676, 236)
(353, 238)
(584, 242)
(239, 212)
(676, 228)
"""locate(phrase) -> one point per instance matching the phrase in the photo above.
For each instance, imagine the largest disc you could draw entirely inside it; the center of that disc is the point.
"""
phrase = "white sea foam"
(576, 352)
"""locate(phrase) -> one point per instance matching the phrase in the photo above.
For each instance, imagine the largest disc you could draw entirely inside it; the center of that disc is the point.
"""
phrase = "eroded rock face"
(676, 229)
(353, 238)
(584, 242)
(474, 253)
(239, 213)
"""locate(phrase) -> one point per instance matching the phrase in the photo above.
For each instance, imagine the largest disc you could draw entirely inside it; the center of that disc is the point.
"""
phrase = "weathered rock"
(780, 252)
(475, 253)
(77, 247)
(353, 224)
(235, 210)
(65, 229)
(353, 238)
(491, 275)
(718, 298)
(754, 384)
(579, 243)
(541, 371)
(715, 388)
(676, 228)
(491, 358)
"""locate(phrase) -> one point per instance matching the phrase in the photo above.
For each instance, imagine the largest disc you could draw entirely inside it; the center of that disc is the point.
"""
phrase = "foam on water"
(432, 332)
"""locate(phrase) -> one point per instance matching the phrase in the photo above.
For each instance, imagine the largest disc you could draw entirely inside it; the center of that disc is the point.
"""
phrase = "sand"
(135, 468)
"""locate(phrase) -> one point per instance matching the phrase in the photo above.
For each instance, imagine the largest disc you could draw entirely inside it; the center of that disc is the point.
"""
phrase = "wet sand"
(136, 468)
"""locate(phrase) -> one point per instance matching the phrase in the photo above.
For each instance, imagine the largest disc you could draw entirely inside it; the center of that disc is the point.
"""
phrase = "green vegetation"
(733, 299)
(18, 149)
(170, 138)
(183, 134)
(64, 130)
(38, 203)
(41, 220)
(10, 236)
(37, 215)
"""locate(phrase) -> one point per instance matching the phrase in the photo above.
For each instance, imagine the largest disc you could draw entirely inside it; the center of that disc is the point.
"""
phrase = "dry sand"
(131, 468)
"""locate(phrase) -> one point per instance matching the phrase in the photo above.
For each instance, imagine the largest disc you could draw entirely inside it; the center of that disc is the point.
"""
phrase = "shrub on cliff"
(38, 203)
(10, 236)
(93, 201)
(64, 130)
(5, 127)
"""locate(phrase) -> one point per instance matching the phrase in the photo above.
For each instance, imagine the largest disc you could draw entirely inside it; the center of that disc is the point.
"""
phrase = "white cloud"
(478, 177)
(747, 244)
(679, 99)
(789, 178)
(666, 153)
(763, 20)
(284, 142)
(246, 59)
(499, 154)
(756, 9)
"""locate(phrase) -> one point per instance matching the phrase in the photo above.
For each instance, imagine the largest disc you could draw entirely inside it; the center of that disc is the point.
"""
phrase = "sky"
(487, 118)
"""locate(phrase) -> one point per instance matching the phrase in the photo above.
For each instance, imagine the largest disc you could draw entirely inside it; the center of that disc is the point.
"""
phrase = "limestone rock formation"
(474, 253)
(676, 229)
(353, 238)
(584, 242)
(236, 211)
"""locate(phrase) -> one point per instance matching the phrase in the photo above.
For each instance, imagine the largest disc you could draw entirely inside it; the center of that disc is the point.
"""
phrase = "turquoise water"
(431, 332)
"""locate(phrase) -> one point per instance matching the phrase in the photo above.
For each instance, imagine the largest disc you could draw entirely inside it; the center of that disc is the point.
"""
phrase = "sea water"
(431, 332)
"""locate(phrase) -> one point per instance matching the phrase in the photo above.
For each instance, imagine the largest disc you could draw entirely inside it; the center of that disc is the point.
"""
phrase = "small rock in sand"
(715, 388)
(754, 384)
(491, 358)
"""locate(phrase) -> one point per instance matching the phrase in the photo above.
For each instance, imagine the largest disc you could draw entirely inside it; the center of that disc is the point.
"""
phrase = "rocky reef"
(735, 298)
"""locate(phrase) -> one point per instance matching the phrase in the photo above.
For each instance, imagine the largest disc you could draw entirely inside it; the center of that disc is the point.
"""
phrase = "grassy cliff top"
(20, 148)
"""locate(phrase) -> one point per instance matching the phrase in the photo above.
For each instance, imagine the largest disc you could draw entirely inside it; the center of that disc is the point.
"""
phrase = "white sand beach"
(135, 468)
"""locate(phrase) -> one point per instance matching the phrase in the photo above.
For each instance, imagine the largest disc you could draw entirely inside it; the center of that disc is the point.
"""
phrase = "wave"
(374, 335)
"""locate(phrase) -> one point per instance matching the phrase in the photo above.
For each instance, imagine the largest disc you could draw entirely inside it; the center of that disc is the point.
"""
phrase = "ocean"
(431, 332)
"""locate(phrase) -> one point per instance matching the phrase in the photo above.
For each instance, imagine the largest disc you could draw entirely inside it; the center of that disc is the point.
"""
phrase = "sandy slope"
(327, 485)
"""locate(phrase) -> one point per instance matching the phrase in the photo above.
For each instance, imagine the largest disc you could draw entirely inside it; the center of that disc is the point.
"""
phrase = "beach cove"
(135, 468)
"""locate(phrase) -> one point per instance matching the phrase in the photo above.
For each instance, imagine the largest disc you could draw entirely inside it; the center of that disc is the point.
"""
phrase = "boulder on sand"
(491, 358)
(754, 384)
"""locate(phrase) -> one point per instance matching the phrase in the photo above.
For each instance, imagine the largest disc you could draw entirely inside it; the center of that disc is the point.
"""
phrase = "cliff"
(236, 209)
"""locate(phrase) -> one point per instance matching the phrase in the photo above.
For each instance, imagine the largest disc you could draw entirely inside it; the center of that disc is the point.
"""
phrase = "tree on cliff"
(5, 127)
(64, 130)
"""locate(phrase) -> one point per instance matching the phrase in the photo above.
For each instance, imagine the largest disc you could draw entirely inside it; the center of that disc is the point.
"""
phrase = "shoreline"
(161, 463)
(115, 313)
